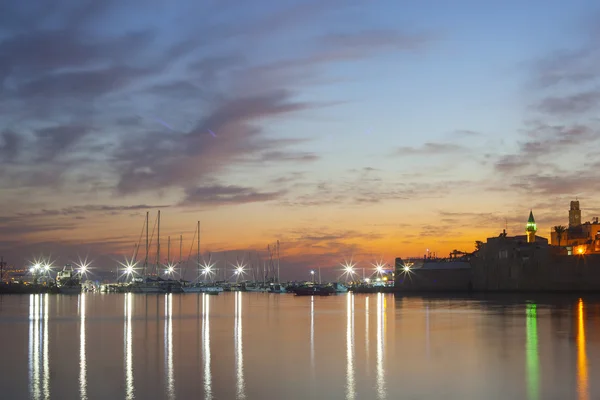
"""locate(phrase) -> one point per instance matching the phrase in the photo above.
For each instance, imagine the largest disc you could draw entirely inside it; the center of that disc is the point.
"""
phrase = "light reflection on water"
(297, 347)
(531, 351)
(350, 384)
(39, 364)
(582, 371)
(239, 356)
(381, 316)
(206, 345)
(169, 346)
(82, 362)
(128, 347)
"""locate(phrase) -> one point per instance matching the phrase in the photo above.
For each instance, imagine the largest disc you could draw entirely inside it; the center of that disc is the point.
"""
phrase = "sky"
(358, 130)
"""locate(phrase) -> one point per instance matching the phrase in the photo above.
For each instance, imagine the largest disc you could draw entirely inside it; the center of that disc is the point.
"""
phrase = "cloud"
(82, 88)
(466, 133)
(22, 224)
(430, 148)
(544, 142)
(571, 104)
(375, 39)
(57, 140)
(366, 186)
(184, 159)
(222, 195)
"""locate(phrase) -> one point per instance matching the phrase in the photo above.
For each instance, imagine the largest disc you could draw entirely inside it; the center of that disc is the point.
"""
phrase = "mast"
(198, 255)
(180, 247)
(278, 276)
(158, 244)
(146, 259)
(168, 249)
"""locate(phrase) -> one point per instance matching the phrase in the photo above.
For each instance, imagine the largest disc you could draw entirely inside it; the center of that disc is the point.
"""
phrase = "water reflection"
(206, 345)
(38, 347)
(169, 346)
(350, 384)
(128, 348)
(239, 357)
(531, 351)
(82, 362)
(582, 371)
(427, 340)
(312, 332)
(367, 331)
(381, 393)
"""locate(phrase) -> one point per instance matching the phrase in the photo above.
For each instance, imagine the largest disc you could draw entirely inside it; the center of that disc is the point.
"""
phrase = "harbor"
(569, 262)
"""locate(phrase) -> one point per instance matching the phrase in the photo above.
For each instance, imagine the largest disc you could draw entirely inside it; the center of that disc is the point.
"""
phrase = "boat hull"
(201, 289)
(312, 292)
(69, 289)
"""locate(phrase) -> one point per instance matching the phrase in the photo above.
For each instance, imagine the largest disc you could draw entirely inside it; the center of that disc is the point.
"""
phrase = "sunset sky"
(345, 129)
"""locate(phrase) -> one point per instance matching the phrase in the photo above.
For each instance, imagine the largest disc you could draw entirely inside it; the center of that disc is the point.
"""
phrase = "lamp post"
(312, 273)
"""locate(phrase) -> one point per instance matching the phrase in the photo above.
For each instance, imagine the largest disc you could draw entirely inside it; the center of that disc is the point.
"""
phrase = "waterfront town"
(520, 262)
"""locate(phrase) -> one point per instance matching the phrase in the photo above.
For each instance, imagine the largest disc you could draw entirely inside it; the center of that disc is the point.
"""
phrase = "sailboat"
(148, 284)
(198, 287)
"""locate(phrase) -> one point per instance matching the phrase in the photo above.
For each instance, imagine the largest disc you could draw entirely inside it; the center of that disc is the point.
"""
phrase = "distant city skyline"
(344, 129)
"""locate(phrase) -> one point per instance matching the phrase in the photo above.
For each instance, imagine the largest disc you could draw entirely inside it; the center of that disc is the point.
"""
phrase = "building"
(531, 228)
(577, 238)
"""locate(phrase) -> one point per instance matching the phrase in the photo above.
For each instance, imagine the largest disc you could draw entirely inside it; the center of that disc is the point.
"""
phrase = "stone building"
(577, 238)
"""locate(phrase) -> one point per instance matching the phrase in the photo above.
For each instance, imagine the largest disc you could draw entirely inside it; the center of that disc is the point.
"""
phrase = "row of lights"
(46, 267)
(129, 266)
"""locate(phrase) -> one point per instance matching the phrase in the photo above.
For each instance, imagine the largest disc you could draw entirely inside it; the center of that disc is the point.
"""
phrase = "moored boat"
(276, 288)
(68, 281)
(338, 287)
(313, 290)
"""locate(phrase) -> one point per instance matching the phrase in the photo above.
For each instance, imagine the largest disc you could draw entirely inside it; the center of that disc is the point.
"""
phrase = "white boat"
(212, 289)
(192, 289)
(339, 288)
(255, 289)
(276, 288)
(67, 281)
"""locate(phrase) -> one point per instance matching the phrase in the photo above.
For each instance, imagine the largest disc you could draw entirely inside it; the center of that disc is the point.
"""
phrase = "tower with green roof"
(531, 228)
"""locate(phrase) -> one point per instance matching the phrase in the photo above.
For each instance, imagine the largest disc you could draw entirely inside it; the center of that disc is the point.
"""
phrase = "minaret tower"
(531, 228)
(574, 214)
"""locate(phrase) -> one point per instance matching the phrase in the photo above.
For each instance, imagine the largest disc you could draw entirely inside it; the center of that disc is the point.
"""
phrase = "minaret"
(531, 228)
(574, 214)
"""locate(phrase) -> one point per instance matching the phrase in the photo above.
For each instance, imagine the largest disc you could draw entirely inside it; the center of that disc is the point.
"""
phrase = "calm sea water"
(270, 346)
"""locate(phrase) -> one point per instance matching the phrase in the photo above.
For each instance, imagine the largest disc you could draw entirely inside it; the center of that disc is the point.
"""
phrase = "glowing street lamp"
(348, 269)
(312, 274)
(84, 266)
(128, 267)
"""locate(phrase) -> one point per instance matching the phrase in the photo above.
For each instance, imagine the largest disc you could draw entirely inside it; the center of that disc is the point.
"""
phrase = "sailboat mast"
(158, 245)
(180, 247)
(146, 259)
(198, 255)
(169, 250)
(278, 276)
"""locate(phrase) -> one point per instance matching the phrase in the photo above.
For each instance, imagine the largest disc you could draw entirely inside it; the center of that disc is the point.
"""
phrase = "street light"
(312, 273)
